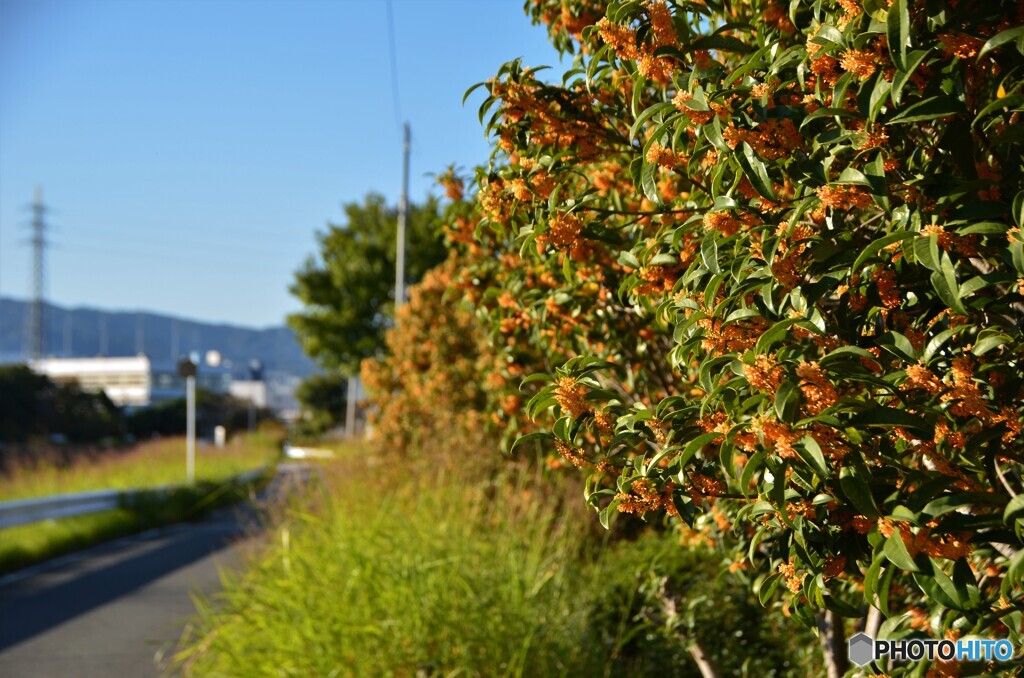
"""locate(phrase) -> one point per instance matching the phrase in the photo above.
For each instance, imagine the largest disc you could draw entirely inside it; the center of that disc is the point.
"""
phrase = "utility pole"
(38, 241)
(403, 208)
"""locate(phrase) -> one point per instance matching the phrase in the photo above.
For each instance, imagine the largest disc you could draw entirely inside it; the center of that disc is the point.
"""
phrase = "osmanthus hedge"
(765, 260)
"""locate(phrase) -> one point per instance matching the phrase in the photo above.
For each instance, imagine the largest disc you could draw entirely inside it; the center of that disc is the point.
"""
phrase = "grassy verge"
(28, 544)
(149, 464)
(430, 568)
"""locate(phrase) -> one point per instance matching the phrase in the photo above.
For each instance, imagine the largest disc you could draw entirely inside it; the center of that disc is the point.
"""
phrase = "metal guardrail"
(26, 511)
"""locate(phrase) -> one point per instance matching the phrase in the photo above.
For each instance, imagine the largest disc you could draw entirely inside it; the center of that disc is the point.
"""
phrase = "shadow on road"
(36, 603)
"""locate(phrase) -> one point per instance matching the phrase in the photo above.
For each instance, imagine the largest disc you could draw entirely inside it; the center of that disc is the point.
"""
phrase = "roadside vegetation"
(470, 565)
(150, 465)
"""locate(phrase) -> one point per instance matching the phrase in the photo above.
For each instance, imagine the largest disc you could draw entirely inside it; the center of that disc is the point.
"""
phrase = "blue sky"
(189, 150)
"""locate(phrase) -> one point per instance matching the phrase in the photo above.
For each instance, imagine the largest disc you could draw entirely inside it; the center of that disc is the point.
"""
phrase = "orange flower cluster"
(738, 336)
(698, 117)
(965, 394)
(494, 201)
(571, 17)
(778, 434)
(568, 123)
(644, 497)
(772, 139)
(794, 581)
(666, 157)
(657, 280)
(842, 197)
(861, 62)
(702, 487)
(453, 185)
(851, 10)
(564, 230)
(874, 137)
(888, 291)
(776, 14)
(951, 546)
(572, 397)
(819, 393)
(573, 455)
(764, 375)
(834, 566)
(723, 222)
(919, 376)
(623, 40)
(960, 45)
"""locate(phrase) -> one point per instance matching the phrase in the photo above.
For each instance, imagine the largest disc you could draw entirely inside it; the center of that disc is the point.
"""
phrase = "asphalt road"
(118, 609)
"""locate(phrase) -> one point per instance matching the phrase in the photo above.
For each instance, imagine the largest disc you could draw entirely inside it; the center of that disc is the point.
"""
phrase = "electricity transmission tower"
(36, 321)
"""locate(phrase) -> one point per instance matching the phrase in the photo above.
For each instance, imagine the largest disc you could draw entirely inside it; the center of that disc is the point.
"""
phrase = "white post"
(190, 428)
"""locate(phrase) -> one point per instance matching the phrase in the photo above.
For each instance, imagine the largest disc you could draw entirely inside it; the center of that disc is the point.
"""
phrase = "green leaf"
(902, 76)
(856, 489)
(646, 115)
(775, 333)
(786, 400)
(725, 43)
(810, 452)
(470, 91)
(767, 587)
(896, 551)
(828, 34)
(990, 341)
(1018, 209)
(649, 183)
(929, 109)
(926, 250)
(755, 171)
(889, 417)
(944, 282)
(536, 435)
(1000, 39)
(898, 32)
(877, 245)
(709, 253)
(898, 345)
(1014, 510)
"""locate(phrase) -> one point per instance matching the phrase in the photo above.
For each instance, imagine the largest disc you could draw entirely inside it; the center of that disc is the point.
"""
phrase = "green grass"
(385, 577)
(149, 464)
(405, 568)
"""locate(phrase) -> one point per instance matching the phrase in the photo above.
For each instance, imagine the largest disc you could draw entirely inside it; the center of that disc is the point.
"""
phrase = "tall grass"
(449, 565)
(432, 574)
(149, 464)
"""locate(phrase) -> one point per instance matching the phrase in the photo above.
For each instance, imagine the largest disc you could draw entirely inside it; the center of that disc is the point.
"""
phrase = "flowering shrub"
(762, 265)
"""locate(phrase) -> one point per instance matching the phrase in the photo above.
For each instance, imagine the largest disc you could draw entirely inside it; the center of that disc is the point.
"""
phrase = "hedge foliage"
(761, 266)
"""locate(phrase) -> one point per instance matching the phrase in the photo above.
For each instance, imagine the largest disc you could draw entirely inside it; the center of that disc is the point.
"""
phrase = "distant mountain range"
(85, 332)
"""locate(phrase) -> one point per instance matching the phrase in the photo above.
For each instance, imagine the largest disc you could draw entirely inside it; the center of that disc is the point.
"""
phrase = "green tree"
(348, 288)
(323, 399)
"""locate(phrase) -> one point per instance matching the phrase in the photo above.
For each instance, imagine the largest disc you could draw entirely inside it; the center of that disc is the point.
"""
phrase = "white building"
(130, 381)
(253, 391)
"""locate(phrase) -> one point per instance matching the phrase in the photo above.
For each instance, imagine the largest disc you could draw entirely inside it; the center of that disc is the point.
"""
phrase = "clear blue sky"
(189, 150)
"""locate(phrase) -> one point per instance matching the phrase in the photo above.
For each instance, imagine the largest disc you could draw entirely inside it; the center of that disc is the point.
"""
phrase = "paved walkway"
(117, 609)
